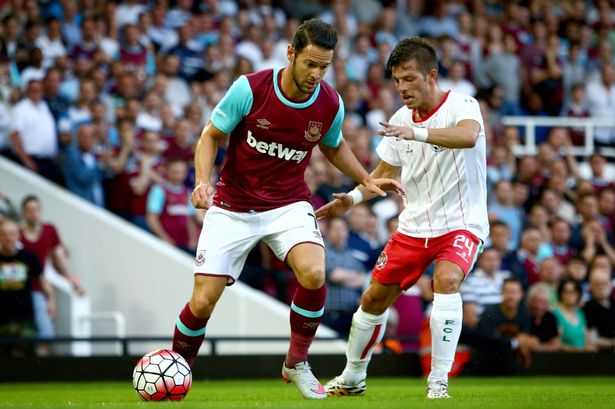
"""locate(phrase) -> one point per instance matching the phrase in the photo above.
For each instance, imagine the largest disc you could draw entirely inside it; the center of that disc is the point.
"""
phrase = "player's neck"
(289, 88)
(431, 104)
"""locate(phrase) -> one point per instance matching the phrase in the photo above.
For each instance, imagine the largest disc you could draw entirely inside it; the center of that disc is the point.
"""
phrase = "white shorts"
(227, 237)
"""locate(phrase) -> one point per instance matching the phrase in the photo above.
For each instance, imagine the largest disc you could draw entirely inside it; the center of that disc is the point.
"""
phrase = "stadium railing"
(125, 342)
(528, 125)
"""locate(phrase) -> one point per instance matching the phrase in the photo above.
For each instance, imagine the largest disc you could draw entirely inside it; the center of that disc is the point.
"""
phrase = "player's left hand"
(372, 186)
(394, 131)
(340, 204)
(389, 185)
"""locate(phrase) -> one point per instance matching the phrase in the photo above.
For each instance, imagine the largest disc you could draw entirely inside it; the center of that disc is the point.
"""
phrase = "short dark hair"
(577, 288)
(499, 223)
(28, 199)
(414, 48)
(512, 280)
(316, 32)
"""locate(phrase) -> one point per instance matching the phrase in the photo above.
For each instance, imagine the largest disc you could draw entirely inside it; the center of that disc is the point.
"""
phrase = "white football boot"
(305, 380)
(437, 389)
(338, 387)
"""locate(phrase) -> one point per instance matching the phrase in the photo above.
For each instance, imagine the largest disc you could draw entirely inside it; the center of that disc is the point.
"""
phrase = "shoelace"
(304, 371)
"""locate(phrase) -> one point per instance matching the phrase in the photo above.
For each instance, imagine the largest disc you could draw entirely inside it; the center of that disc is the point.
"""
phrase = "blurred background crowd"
(107, 99)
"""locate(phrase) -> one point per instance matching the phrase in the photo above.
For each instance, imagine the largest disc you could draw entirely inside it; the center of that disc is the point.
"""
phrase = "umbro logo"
(263, 123)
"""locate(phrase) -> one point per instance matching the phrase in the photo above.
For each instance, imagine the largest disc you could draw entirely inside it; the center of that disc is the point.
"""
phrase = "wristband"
(357, 196)
(420, 134)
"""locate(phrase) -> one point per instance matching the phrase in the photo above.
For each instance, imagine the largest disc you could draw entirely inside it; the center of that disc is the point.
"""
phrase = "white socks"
(366, 332)
(445, 325)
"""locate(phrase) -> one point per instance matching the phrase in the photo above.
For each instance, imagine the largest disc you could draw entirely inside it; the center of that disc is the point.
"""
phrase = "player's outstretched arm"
(204, 157)
(383, 176)
(463, 135)
(343, 159)
(341, 203)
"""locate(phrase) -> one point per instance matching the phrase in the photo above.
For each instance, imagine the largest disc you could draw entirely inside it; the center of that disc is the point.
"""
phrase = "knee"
(311, 276)
(201, 305)
(447, 281)
(372, 303)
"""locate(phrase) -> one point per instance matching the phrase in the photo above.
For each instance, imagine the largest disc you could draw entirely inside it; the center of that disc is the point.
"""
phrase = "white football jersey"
(446, 189)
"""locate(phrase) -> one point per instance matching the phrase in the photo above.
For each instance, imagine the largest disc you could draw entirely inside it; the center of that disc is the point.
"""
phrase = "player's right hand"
(340, 204)
(389, 185)
(202, 195)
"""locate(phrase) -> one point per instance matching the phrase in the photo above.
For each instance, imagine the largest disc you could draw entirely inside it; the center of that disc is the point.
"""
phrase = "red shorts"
(404, 259)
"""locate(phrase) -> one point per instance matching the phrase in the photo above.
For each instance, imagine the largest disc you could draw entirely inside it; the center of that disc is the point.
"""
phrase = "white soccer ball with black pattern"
(162, 375)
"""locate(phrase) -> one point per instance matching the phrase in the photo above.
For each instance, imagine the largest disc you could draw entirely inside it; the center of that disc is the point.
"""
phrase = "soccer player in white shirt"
(436, 143)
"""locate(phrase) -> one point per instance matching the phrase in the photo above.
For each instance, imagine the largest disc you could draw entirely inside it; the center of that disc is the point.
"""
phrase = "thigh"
(224, 243)
(459, 247)
(402, 261)
(288, 226)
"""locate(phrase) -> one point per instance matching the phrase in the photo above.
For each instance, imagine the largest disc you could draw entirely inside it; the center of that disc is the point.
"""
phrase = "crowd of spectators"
(108, 98)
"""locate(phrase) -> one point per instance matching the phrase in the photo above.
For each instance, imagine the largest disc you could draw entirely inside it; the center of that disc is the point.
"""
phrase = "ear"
(290, 53)
(432, 75)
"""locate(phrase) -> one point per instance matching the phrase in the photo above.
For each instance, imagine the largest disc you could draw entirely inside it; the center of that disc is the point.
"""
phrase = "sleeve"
(17, 123)
(387, 148)
(155, 199)
(334, 134)
(235, 105)
(54, 237)
(468, 108)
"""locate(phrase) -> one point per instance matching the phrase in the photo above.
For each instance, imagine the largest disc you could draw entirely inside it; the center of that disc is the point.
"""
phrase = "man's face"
(35, 91)
(9, 234)
(490, 261)
(309, 67)
(31, 212)
(338, 232)
(177, 172)
(560, 232)
(539, 303)
(500, 235)
(512, 293)
(412, 84)
(600, 285)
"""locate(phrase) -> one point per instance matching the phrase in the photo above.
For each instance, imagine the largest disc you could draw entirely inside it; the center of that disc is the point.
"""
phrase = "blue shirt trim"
(334, 136)
(285, 101)
(234, 106)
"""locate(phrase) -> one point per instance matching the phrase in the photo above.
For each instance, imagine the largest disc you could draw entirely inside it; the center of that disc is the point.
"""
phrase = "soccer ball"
(162, 375)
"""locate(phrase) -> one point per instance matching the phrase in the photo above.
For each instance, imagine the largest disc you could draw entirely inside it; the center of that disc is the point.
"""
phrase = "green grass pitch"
(474, 393)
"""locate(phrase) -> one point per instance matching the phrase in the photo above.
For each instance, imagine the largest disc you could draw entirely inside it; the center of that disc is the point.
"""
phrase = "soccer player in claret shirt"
(274, 118)
(436, 142)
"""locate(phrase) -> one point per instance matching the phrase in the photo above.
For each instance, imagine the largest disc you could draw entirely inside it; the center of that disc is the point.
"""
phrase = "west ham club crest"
(313, 133)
